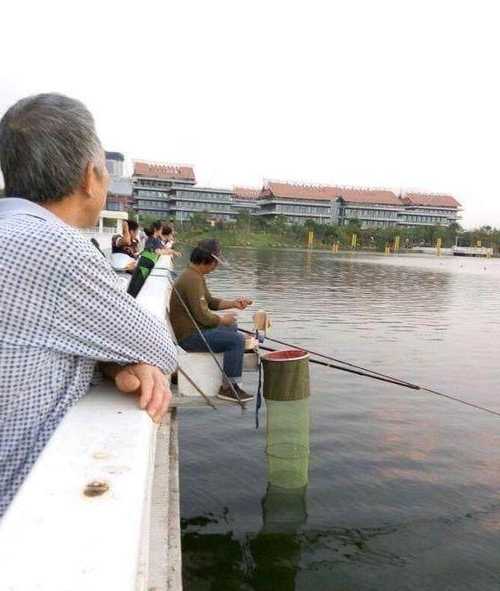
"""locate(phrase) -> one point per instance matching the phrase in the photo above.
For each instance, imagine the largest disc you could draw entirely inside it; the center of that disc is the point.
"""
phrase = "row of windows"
(203, 195)
(116, 207)
(200, 206)
(379, 213)
(422, 218)
(185, 215)
(145, 183)
(163, 205)
(163, 194)
(430, 211)
(302, 209)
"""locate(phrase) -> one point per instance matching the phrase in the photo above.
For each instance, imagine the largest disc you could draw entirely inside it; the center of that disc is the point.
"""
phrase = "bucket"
(286, 391)
(286, 375)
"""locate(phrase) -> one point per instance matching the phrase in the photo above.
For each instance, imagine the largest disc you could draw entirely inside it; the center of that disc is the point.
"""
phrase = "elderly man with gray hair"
(61, 307)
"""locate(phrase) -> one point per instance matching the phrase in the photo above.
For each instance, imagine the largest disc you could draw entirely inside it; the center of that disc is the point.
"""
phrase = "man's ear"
(88, 179)
(91, 177)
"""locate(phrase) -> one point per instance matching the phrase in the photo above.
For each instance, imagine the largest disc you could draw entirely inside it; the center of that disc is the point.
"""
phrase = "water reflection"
(277, 549)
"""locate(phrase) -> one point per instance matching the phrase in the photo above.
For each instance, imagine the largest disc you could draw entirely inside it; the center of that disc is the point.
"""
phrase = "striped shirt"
(61, 311)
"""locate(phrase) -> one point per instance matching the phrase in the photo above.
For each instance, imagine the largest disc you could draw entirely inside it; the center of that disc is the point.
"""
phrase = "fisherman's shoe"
(226, 393)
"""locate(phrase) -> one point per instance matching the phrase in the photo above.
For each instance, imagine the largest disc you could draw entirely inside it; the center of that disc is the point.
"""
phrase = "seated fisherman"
(220, 331)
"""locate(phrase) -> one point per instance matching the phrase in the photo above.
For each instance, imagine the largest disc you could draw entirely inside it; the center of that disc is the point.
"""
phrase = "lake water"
(403, 488)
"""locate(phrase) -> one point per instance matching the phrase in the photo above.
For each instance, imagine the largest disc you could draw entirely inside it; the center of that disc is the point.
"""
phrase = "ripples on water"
(403, 486)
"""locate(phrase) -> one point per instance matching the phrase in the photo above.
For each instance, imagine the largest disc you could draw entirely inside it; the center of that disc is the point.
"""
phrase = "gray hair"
(46, 143)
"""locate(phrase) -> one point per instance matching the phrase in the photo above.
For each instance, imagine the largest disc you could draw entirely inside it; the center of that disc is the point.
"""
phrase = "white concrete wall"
(56, 538)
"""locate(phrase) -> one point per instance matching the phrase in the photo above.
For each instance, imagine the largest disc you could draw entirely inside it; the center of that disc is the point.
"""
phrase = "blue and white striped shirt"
(61, 311)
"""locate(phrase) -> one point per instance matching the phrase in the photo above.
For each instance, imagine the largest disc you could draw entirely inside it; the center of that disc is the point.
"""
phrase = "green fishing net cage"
(286, 391)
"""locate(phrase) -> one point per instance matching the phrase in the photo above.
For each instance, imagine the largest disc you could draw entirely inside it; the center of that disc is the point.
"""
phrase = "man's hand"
(241, 303)
(228, 318)
(148, 382)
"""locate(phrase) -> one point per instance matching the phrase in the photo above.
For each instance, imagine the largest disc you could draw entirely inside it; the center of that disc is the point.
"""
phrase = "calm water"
(403, 488)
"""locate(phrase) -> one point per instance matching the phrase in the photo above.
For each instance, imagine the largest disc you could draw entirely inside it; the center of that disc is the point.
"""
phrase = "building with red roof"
(329, 203)
(429, 209)
(169, 191)
(180, 173)
(245, 199)
(339, 205)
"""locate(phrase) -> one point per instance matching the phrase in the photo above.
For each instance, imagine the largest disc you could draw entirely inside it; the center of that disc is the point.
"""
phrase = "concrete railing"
(100, 508)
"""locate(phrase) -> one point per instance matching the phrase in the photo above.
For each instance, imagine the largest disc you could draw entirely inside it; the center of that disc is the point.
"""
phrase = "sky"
(403, 94)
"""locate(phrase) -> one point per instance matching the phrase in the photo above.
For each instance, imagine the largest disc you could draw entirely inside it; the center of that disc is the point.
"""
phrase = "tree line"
(253, 230)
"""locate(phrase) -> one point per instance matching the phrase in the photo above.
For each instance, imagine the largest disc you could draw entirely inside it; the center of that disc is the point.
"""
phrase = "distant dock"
(472, 251)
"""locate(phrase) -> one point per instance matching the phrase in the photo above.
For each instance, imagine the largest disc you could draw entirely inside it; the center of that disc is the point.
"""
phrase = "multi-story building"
(421, 209)
(119, 196)
(297, 203)
(115, 163)
(153, 184)
(187, 201)
(339, 205)
(245, 200)
(373, 208)
(170, 191)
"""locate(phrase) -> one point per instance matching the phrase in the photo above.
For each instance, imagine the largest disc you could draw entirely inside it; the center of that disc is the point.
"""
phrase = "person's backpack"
(145, 265)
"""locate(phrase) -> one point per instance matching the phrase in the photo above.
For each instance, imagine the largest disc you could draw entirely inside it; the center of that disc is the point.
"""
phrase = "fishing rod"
(354, 371)
(372, 372)
(385, 379)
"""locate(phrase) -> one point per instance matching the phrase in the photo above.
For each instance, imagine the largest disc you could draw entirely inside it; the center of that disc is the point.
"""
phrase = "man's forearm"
(227, 305)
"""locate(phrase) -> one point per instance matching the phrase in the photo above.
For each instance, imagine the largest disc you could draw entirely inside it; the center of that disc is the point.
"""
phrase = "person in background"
(167, 238)
(125, 248)
(220, 331)
(152, 251)
(57, 322)
(153, 241)
(127, 242)
(167, 235)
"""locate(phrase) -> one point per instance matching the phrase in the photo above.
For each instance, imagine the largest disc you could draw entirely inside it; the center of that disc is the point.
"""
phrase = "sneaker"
(226, 393)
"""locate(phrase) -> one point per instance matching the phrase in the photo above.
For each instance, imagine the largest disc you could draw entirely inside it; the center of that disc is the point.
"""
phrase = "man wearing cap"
(191, 306)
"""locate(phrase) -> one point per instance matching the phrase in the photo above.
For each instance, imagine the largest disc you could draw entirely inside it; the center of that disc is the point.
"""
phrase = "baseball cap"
(212, 246)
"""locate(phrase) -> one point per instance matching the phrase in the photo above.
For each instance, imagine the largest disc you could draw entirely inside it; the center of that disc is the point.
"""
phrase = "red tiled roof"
(245, 193)
(430, 200)
(377, 196)
(164, 171)
(329, 193)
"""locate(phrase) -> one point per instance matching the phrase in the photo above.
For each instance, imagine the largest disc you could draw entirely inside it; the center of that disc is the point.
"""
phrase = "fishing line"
(371, 371)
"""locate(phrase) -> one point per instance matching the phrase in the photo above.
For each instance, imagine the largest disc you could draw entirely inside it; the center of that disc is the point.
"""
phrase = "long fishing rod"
(363, 369)
(388, 379)
(354, 371)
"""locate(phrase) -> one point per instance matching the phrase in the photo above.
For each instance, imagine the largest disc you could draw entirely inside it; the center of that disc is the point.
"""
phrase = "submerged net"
(288, 442)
